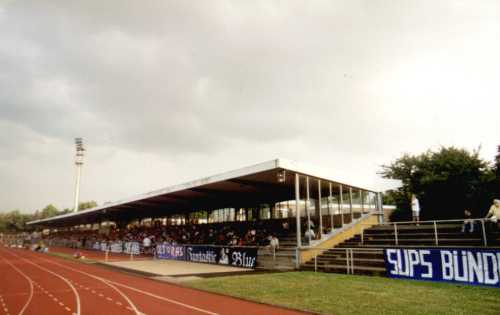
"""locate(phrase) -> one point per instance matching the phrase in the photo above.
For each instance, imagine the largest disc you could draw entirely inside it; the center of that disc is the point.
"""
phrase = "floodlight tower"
(79, 163)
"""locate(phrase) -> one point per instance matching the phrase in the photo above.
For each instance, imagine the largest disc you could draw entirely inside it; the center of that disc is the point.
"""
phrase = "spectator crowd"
(256, 233)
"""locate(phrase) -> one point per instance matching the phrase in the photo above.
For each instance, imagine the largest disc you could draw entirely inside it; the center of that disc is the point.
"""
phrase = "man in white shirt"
(310, 235)
(415, 208)
(146, 244)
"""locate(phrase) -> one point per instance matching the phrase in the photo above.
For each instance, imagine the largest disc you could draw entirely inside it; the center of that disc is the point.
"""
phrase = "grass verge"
(346, 294)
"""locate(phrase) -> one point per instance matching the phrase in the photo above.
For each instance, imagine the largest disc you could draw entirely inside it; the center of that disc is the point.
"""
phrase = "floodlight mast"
(79, 163)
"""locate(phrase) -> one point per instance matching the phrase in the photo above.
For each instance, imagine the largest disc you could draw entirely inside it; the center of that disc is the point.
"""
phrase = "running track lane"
(112, 300)
(49, 291)
(149, 296)
(16, 292)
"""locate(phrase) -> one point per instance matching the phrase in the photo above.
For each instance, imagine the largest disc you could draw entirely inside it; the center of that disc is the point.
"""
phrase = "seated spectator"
(468, 221)
(494, 214)
(310, 235)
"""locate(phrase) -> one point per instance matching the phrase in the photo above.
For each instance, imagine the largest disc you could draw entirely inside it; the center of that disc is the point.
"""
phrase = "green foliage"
(48, 211)
(446, 182)
(87, 205)
(15, 221)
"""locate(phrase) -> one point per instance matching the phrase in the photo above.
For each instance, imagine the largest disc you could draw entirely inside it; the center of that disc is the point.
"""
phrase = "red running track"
(34, 283)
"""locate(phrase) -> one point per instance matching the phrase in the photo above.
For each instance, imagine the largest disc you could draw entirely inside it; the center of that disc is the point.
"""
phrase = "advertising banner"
(116, 247)
(472, 266)
(243, 257)
(167, 251)
(133, 248)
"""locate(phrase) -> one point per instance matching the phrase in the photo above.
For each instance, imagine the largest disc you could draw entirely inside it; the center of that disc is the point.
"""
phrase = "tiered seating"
(368, 248)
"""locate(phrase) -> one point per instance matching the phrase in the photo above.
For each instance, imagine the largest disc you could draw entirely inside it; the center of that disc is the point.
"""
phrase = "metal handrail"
(431, 221)
(349, 255)
(434, 223)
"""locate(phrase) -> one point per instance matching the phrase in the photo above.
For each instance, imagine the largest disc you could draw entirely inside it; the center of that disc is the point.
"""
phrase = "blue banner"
(166, 251)
(472, 266)
(243, 257)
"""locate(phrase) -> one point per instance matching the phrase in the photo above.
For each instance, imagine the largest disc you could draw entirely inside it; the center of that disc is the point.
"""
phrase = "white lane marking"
(78, 312)
(109, 299)
(119, 303)
(103, 280)
(109, 282)
(68, 309)
(30, 281)
(163, 298)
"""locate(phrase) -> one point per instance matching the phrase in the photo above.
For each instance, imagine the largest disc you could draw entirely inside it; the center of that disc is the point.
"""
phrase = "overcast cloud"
(168, 91)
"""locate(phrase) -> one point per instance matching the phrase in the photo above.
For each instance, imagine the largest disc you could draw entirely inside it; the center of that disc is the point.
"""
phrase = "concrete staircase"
(283, 259)
(367, 248)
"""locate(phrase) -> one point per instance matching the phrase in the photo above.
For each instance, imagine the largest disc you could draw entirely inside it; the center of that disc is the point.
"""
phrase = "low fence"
(343, 259)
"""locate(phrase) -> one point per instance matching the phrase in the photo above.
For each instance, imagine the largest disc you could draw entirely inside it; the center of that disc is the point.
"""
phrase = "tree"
(446, 182)
(14, 221)
(47, 212)
(87, 205)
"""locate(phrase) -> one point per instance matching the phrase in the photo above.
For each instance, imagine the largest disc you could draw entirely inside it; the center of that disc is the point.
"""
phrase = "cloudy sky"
(168, 91)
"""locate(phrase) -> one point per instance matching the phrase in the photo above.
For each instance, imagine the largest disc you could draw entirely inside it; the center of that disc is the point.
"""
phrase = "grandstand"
(240, 208)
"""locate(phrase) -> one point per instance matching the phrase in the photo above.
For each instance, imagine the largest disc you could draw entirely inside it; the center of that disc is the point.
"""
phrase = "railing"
(398, 225)
(348, 253)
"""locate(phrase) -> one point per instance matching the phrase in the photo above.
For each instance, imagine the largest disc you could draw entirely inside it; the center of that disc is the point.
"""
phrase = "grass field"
(343, 294)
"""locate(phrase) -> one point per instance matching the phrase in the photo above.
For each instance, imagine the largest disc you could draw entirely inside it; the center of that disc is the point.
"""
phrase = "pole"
(396, 234)
(320, 212)
(77, 188)
(78, 162)
(330, 210)
(307, 211)
(362, 201)
(297, 210)
(436, 234)
(485, 241)
(341, 206)
(350, 204)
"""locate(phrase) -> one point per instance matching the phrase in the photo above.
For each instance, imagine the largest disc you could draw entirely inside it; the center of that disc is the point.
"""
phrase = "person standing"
(468, 221)
(415, 208)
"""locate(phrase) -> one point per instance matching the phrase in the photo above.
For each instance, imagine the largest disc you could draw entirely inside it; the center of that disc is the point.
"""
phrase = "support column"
(350, 204)
(307, 209)
(320, 211)
(330, 210)
(297, 209)
(341, 206)
(361, 200)
(380, 207)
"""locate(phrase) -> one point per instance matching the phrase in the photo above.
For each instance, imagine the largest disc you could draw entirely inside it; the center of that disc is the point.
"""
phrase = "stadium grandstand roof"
(266, 182)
